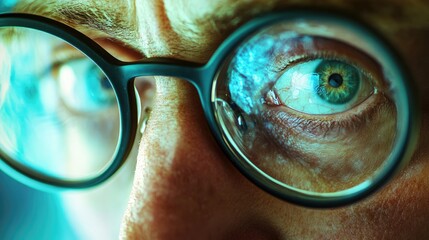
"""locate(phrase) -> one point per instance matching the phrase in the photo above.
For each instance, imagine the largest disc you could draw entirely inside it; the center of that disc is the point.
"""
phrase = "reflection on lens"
(320, 110)
(58, 114)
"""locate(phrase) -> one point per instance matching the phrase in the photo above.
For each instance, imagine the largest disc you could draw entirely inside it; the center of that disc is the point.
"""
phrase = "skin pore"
(184, 187)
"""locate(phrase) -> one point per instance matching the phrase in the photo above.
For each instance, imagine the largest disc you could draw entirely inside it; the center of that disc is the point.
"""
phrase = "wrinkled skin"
(184, 186)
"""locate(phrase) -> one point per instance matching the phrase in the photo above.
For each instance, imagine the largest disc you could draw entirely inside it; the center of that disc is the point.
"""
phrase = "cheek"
(97, 213)
(401, 211)
(96, 138)
(326, 162)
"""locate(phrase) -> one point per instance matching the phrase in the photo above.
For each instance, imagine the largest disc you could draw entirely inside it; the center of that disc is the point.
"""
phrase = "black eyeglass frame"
(122, 75)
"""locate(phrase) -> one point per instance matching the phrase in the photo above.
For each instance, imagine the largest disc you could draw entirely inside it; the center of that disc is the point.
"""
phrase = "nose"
(184, 186)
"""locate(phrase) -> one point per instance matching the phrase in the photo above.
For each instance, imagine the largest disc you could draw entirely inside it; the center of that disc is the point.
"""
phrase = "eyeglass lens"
(58, 111)
(312, 105)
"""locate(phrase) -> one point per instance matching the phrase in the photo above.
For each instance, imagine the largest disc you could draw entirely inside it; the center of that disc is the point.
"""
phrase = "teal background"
(26, 213)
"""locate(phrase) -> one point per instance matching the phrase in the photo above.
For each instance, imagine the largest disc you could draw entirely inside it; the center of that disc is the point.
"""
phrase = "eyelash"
(328, 125)
(297, 59)
(321, 126)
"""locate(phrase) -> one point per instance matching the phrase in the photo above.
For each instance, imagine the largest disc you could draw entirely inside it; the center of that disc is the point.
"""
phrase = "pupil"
(338, 82)
(335, 80)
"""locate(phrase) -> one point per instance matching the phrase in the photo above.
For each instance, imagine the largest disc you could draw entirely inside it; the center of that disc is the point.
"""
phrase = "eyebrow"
(104, 17)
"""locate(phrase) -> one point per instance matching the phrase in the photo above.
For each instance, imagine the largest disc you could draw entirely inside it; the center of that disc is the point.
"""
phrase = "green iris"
(338, 81)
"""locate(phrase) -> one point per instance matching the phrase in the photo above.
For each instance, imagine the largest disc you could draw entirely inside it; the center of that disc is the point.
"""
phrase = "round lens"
(59, 114)
(312, 105)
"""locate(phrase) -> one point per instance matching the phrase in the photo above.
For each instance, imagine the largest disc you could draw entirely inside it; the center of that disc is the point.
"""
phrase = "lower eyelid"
(328, 128)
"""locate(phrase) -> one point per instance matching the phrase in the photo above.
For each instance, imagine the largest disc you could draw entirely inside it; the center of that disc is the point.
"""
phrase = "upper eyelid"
(119, 49)
(335, 49)
(64, 52)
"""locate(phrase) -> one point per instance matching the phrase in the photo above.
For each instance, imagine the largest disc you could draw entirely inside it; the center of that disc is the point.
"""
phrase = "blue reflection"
(7, 5)
(27, 214)
(250, 69)
(27, 126)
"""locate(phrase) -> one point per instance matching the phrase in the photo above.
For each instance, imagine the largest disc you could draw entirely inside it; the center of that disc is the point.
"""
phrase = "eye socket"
(57, 95)
(321, 86)
(84, 87)
(319, 101)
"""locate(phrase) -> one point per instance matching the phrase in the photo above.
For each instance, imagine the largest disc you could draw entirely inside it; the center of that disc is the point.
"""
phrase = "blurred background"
(26, 213)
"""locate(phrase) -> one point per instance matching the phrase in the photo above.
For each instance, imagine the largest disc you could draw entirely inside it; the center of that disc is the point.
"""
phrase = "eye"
(84, 87)
(318, 102)
(322, 86)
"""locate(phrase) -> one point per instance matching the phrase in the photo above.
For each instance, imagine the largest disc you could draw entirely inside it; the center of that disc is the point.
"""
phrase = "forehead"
(408, 13)
(162, 28)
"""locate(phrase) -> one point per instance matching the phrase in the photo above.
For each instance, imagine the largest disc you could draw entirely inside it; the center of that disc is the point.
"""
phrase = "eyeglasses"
(313, 107)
